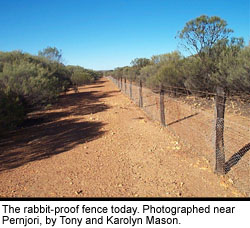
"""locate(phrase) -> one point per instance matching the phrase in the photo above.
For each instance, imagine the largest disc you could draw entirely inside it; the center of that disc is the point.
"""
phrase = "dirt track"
(97, 143)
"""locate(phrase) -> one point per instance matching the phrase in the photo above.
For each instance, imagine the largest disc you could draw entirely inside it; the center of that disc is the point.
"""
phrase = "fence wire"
(193, 121)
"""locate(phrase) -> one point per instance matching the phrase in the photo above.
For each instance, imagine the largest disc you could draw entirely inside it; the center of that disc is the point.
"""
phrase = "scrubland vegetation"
(31, 81)
(216, 59)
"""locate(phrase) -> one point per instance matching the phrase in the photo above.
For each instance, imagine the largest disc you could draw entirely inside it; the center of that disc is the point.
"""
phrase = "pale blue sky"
(104, 34)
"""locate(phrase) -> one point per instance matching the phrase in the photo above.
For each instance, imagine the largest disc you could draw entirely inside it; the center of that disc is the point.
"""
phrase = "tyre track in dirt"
(99, 144)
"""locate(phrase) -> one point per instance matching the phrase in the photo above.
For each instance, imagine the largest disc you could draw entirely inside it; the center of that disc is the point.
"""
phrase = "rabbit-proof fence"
(214, 127)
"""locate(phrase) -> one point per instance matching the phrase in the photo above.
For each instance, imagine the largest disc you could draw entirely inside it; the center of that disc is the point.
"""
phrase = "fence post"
(162, 108)
(140, 94)
(130, 89)
(125, 84)
(121, 83)
(220, 101)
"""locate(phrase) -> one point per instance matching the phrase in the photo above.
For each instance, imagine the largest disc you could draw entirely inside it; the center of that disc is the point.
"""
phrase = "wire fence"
(196, 123)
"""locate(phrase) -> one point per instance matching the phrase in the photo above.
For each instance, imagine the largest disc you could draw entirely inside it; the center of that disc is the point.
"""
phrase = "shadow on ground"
(236, 157)
(184, 118)
(47, 133)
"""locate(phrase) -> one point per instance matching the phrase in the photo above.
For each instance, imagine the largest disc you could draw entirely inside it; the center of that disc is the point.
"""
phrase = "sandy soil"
(97, 143)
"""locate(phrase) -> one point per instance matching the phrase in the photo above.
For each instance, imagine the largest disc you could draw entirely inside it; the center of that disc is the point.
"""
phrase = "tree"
(239, 76)
(160, 59)
(137, 65)
(125, 72)
(224, 58)
(208, 37)
(148, 72)
(168, 73)
(132, 74)
(140, 62)
(194, 76)
(51, 53)
(201, 34)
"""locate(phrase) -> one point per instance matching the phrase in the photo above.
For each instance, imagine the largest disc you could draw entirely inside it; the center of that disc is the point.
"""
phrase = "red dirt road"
(97, 143)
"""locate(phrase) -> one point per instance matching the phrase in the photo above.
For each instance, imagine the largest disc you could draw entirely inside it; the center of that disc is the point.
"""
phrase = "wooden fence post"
(220, 101)
(140, 94)
(130, 89)
(162, 109)
(121, 83)
(125, 84)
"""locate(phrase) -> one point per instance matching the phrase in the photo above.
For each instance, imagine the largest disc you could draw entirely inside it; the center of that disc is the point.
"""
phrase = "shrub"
(12, 111)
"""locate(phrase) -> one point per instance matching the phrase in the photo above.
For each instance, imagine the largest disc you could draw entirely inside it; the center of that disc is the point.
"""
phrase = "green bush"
(27, 81)
(37, 81)
(12, 111)
(80, 78)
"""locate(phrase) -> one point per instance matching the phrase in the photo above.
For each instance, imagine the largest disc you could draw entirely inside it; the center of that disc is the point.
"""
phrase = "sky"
(104, 34)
